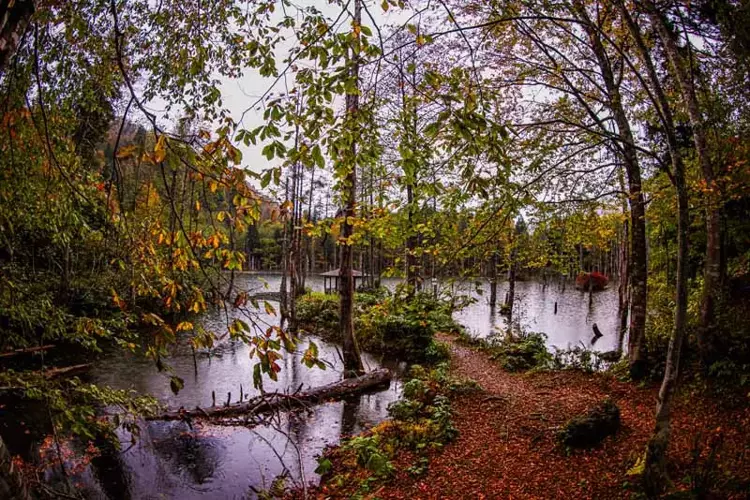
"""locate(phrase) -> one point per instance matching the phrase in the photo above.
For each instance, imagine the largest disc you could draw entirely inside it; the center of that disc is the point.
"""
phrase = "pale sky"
(239, 94)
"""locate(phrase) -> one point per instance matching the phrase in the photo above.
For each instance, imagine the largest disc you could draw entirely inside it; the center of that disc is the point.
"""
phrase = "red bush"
(598, 281)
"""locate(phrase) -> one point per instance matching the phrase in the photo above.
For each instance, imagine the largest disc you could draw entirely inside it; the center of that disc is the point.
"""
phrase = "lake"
(172, 460)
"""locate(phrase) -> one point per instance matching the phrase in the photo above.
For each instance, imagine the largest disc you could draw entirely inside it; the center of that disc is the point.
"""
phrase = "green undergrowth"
(421, 422)
(384, 323)
(527, 351)
(521, 351)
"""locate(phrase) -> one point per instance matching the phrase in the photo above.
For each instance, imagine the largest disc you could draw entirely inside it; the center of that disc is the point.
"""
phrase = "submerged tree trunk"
(352, 360)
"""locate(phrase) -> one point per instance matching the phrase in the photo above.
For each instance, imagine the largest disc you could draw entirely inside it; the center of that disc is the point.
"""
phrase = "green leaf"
(317, 156)
(268, 151)
(257, 377)
(324, 466)
(176, 384)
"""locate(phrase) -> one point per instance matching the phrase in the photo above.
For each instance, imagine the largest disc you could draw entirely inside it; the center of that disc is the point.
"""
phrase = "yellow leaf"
(185, 325)
(125, 152)
(160, 150)
(269, 309)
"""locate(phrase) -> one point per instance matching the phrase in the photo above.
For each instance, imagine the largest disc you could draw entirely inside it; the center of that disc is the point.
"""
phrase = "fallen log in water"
(66, 370)
(270, 402)
(597, 332)
(28, 350)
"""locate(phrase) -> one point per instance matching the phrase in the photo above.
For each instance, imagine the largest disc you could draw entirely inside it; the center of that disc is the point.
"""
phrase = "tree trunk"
(270, 402)
(493, 280)
(352, 359)
(655, 467)
(14, 18)
(12, 484)
(284, 305)
(412, 267)
(712, 270)
(511, 281)
(655, 471)
(623, 272)
(638, 253)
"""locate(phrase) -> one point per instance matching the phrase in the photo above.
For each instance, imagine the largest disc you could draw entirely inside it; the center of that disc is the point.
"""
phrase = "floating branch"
(270, 402)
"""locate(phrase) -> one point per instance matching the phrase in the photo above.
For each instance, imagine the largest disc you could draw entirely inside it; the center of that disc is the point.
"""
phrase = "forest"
(374, 249)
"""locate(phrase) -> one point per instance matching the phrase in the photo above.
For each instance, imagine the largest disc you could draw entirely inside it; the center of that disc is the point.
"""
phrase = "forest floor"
(507, 446)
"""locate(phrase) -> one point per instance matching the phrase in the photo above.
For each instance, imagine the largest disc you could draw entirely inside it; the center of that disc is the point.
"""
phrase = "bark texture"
(276, 401)
(352, 358)
(12, 485)
(625, 145)
(680, 67)
(14, 19)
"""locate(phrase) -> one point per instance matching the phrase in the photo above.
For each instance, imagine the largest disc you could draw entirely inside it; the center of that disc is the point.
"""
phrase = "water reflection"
(172, 460)
(560, 311)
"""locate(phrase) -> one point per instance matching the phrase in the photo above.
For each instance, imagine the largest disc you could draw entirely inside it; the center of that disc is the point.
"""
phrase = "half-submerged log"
(590, 429)
(28, 350)
(66, 370)
(597, 332)
(270, 402)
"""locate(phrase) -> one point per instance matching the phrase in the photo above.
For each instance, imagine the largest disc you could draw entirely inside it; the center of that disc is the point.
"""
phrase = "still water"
(172, 460)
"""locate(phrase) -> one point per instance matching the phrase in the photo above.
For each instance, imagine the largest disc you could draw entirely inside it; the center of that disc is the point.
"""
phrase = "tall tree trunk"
(412, 267)
(284, 304)
(493, 280)
(655, 470)
(352, 360)
(623, 272)
(712, 271)
(511, 296)
(638, 252)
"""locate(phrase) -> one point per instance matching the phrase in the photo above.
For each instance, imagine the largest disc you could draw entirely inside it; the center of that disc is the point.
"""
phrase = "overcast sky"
(239, 94)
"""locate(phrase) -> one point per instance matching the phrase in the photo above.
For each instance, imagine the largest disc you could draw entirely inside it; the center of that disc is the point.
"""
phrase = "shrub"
(319, 312)
(521, 352)
(437, 352)
(383, 323)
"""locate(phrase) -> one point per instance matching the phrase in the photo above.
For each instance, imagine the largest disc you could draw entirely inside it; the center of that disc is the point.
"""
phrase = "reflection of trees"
(189, 454)
(110, 470)
(349, 414)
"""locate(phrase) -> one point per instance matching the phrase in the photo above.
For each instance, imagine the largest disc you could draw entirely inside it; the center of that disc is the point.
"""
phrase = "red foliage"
(507, 446)
(598, 281)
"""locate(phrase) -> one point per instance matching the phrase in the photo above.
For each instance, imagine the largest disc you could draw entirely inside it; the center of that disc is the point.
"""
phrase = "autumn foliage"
(597, 281)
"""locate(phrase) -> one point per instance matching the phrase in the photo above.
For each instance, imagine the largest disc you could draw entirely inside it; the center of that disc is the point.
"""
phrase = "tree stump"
(590, 429)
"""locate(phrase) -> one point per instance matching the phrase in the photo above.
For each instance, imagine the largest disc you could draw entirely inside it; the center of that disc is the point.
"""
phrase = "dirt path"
(507, 446)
